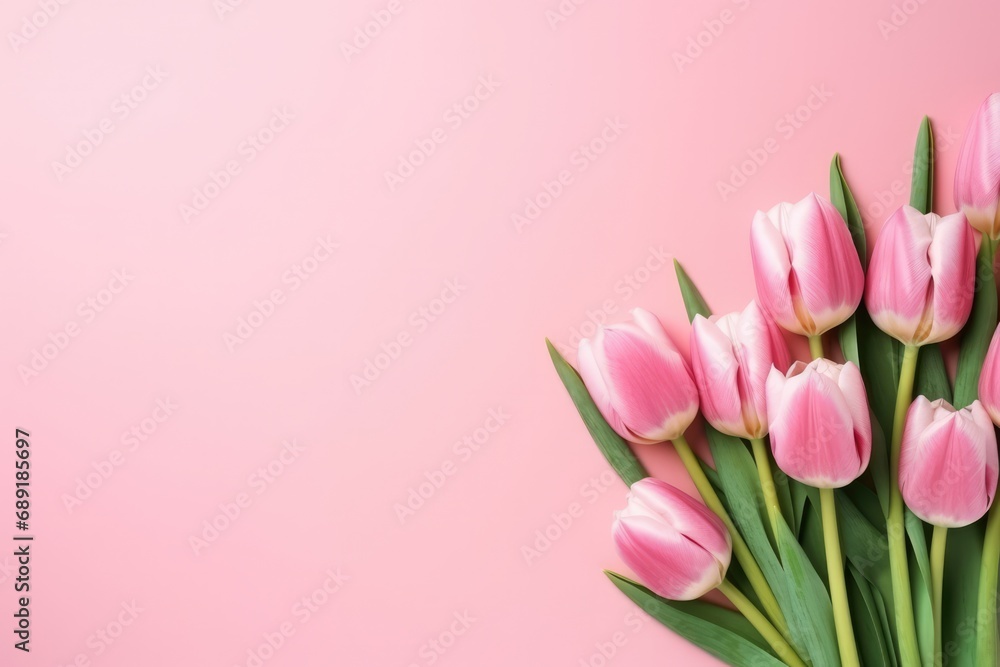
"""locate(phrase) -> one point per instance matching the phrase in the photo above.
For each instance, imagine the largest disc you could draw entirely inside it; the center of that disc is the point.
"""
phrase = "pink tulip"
(673, 543)
(948, 462)
(821, 430)
(639, 380)
(989, 380)
(809, 277)
(731, 357)
(922, 276)
(977, 176)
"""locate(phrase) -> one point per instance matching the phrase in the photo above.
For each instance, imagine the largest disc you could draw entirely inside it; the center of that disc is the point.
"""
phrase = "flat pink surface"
(219, 251)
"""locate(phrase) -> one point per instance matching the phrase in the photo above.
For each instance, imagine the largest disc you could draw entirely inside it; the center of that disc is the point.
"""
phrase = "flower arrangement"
(848, 515)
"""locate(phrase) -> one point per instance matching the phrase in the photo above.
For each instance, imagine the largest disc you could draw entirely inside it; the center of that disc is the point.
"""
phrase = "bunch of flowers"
(836, 483)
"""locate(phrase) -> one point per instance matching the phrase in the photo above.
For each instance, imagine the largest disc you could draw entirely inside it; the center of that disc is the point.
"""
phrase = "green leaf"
(932, 375)
(867, 547)
(812, 540)
(807, 607)
(961, 594)
(614, 448)
(888, 629)
(979, 331)
(720, 632)
(840, 195)
(872, 646)
(922, 183)
(848, 334)
(694, 302)
(920, 585)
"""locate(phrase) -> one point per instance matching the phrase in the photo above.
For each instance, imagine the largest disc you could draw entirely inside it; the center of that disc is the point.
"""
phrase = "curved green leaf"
(694, 302)
(922, 181)
(872, 646)
(612, 446)
(840, 195)
(979, 331)
(720, 632)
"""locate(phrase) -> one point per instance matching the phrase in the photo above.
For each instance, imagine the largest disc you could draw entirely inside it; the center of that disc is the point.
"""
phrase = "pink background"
(115, 529)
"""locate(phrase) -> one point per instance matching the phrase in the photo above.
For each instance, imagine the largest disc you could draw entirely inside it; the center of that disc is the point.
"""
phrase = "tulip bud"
(989, 380)
(731, 358)
(639, 380)
(977, 175)
(948, 462)
(922, 276)
(821, 430)
(808, 274)
(673, 543)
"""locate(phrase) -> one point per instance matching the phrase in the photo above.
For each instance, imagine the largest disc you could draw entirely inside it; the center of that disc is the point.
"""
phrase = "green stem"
(938, 542)
(905, 626)
(986, 618)
(740, 548)
(760, 455)
(761, 624)
(816, 346)
(838, 586)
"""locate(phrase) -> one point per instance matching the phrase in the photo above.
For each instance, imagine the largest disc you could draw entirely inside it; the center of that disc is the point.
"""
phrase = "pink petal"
(977, 174)
(989, 380)
(812, 431)
(772, 271)
(953, 267)
(825, 263)
(947, 471)
(651, 388)
(899, 276)
(715, 369)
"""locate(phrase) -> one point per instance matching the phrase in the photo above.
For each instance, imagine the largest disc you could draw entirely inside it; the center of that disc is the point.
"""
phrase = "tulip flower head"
(639, 380)
(731, 357)
(948, 462)
(673, 543)
(977, 175)
(921, 280)
(989, 380)
(820, 424)
(808, 274)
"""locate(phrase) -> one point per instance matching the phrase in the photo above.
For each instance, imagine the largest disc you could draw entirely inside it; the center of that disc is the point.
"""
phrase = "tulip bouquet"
(847, 514)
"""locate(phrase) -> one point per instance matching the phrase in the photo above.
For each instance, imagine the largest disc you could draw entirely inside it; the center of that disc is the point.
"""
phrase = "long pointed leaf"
(723, 633)
(694, 302)
(612, 446)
